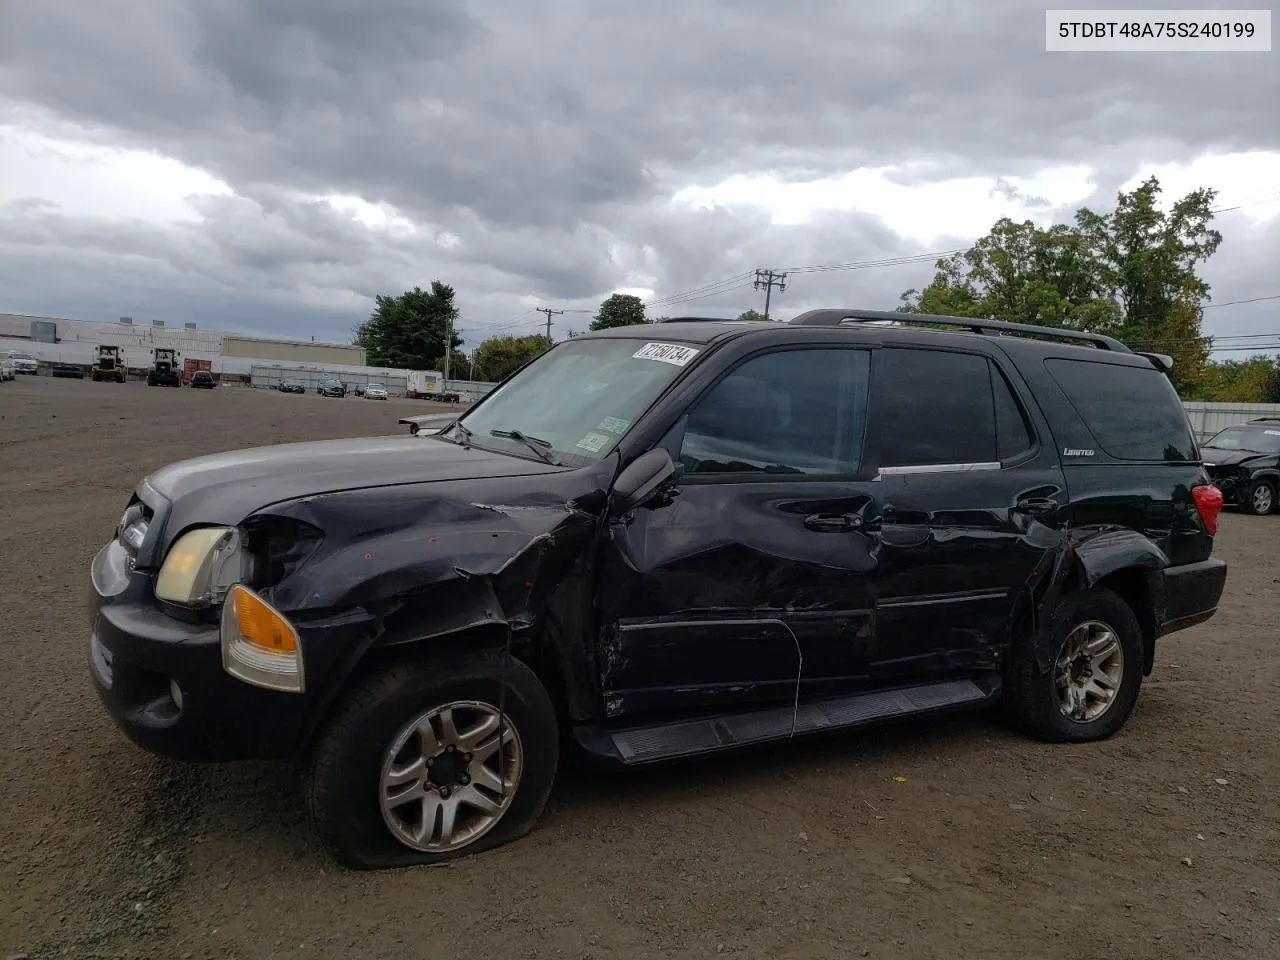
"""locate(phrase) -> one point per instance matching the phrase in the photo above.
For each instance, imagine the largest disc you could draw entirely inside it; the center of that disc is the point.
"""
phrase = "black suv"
(661, 541)
(1244, 463)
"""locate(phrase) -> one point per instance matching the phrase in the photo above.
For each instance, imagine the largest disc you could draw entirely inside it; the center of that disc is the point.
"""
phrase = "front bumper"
(1188, 594)
(136, 651)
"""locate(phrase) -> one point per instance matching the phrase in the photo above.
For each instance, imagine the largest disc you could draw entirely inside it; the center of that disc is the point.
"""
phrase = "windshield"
(1256, 439)
(579, 398)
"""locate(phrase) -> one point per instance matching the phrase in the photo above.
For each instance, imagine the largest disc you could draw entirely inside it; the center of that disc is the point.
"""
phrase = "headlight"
(202, 566)
(259, 646)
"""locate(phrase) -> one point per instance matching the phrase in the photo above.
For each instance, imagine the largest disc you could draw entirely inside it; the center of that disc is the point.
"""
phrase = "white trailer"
(428, 385)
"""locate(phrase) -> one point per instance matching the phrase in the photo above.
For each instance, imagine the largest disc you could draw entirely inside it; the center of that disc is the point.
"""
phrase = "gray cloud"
(544, 135)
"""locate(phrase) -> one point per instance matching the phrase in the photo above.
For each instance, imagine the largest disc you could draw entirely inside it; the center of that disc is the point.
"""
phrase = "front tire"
(1094, 676)
(1260, 499)
(407, 770)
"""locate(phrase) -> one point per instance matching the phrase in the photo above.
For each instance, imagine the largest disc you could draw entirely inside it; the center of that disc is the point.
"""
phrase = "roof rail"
(693, 319)
(838, 317)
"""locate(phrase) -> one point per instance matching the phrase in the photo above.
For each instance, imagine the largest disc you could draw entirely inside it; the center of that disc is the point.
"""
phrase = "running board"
(688, 738)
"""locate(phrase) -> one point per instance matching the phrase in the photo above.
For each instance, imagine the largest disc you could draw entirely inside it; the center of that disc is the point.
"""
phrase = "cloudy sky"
(269, 165)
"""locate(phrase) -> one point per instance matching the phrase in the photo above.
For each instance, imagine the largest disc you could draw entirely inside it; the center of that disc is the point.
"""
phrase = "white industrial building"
(266, 360)
(58, 340)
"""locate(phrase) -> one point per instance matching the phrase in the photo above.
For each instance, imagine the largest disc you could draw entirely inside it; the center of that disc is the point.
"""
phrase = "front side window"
(579, 398)
(788, 412)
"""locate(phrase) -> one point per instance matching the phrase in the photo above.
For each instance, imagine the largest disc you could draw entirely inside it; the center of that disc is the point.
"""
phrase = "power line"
(1251, 203)
(1232, 303)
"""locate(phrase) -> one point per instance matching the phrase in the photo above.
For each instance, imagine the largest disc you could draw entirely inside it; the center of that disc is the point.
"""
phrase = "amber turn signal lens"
(259, 645)
(259, 624)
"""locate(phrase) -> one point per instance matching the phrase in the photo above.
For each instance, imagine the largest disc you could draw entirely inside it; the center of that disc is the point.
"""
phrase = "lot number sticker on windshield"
(672, 353)
(592, 442)
(613, 425)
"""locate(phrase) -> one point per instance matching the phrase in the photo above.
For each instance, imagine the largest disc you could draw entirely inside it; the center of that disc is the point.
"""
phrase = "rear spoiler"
(1162, 362)
(429, 422)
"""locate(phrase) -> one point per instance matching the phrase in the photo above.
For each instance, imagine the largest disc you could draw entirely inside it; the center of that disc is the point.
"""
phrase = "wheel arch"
(1118, 559)
(528, 645)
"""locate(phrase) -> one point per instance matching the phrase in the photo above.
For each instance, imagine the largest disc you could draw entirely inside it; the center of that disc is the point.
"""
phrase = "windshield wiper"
(536, 444)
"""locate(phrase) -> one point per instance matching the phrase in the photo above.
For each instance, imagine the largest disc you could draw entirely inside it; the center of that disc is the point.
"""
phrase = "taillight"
(1209, 502)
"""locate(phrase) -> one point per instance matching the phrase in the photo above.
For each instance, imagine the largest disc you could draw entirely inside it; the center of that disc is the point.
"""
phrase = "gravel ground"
(949, 839)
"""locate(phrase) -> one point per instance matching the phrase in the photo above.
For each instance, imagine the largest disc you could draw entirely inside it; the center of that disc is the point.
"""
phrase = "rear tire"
(1095, 672)
(355, 785)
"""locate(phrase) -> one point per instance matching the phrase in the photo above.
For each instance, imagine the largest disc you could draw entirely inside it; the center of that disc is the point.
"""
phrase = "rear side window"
(932, 407)
(1132, 412)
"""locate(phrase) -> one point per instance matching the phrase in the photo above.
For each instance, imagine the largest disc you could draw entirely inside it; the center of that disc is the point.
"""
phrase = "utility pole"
(769, 279)
(548, 311)
(448, 347)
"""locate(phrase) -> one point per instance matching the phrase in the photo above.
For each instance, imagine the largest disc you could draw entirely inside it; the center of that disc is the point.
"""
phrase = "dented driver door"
(756, 571)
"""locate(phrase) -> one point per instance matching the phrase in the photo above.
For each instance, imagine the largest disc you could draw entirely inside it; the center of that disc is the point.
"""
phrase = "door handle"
(1036, 506)
(832, 522)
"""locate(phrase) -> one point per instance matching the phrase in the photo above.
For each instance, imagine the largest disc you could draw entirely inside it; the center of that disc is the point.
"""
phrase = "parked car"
(332, 388)
(203, 379)
(662, 542)
(292, 386)
(24, 363)
(71, 371)
(1244, 462)
(358, 390)
(375, 391)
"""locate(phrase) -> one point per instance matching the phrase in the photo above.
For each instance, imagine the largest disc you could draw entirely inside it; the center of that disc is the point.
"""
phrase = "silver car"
(375, 391)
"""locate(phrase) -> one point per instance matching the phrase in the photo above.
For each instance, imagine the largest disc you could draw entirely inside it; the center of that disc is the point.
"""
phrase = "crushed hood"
(224, 488)
(1229, 458)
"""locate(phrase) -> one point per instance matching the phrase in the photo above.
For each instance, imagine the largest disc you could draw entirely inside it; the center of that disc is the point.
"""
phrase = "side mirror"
(642, 478)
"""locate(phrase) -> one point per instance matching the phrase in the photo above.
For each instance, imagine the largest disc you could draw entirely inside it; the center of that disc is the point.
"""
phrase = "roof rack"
(839, 317)
(694, 320)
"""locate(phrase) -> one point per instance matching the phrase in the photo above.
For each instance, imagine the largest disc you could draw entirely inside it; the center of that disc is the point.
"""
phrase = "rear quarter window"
(1133, 413)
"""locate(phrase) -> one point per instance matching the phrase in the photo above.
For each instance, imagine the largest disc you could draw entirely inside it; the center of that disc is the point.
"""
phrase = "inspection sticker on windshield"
(592, 442)
(672, 353)
(613, 425)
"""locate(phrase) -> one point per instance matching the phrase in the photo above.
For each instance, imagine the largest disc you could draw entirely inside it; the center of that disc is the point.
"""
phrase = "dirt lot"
(945, 840)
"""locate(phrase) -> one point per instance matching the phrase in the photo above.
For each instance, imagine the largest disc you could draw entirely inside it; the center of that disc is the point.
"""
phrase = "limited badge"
(673, 353)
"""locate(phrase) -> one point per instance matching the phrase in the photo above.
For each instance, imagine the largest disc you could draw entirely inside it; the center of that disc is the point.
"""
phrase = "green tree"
(499, 357)
(751, 315)
(1131, 273)
(1239, 381)
(1271, 386)
(409, 331)
(619, 310)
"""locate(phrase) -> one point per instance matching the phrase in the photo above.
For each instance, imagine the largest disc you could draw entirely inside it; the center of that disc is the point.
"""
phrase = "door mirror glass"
(642, 478)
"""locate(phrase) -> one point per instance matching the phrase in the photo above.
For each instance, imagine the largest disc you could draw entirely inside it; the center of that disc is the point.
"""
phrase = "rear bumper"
(1188, 594)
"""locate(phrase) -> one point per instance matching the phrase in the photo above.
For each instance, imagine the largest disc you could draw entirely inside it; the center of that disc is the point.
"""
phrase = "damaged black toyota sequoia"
(661, 541)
